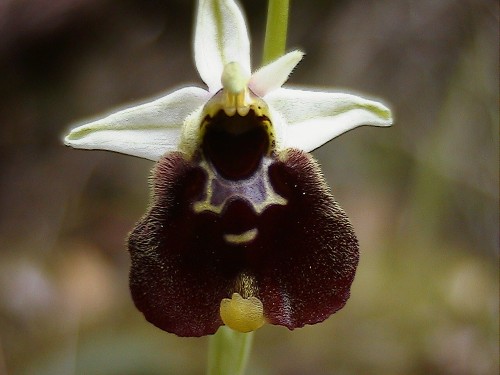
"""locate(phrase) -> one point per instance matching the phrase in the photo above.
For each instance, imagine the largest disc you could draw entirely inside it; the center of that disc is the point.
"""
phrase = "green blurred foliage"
(422, 195)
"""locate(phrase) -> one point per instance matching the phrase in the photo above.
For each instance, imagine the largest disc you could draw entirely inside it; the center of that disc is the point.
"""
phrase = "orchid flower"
(242, 229)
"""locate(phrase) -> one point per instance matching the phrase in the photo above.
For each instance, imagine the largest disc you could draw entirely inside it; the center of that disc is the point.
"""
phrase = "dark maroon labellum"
(238, 218)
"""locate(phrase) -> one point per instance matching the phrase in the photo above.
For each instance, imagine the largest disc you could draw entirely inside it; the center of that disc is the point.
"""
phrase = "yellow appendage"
(242, 314)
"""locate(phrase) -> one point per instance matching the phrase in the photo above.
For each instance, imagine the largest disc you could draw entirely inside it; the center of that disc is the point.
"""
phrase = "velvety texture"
(301, 263)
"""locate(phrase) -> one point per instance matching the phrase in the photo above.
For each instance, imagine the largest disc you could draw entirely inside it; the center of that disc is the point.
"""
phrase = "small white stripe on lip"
(241, 238)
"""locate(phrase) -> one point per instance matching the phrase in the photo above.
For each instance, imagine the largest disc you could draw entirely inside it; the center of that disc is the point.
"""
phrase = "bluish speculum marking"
(236, 152)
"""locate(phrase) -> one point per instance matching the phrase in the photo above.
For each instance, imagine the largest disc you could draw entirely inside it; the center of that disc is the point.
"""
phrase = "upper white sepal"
(221, 37)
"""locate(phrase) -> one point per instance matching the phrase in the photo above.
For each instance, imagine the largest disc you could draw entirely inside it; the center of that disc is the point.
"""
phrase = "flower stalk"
(228, 352)
(276, 30)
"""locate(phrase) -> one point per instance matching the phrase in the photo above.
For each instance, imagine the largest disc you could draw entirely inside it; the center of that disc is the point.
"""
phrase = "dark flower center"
(235, 145)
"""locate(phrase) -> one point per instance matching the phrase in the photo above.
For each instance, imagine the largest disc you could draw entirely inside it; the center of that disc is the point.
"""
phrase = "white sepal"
(221, 37)
(147, 130)
(315, 118)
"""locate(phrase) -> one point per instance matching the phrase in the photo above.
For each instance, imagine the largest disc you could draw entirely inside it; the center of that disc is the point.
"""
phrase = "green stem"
(228, 352)
(276, 29)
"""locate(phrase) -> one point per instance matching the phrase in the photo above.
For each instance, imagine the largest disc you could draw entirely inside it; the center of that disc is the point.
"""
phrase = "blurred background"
(422, 195)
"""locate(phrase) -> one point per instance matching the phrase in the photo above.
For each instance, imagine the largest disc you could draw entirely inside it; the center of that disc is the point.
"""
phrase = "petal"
(221, 37)
(314, 118)
(275, 74)
(288, 245)
(146, 131)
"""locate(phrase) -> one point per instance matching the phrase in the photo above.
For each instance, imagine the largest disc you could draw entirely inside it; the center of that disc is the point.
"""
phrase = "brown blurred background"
(422, 195)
